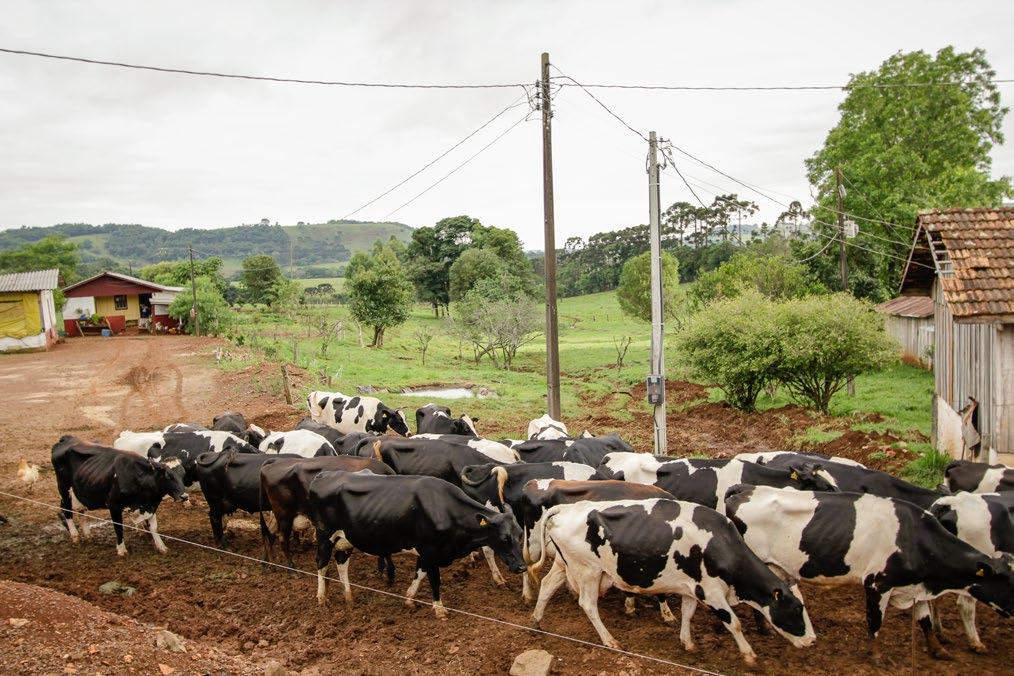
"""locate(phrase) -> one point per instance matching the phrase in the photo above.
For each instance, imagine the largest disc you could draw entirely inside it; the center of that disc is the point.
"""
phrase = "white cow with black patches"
(665, 547)
(899, 553)
(138, 442)
(355, 414)
(306, 443)
(493, 450)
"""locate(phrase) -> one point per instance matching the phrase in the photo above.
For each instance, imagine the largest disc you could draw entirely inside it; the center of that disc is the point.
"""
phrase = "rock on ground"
(532, 663)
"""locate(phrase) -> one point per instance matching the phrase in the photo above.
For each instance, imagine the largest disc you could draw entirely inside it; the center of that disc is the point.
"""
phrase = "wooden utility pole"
(552, 328)
(656, 378)
(193, 290)
(843, 262)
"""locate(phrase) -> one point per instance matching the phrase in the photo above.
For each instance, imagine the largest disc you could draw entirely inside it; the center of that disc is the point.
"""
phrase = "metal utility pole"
(656, 379)
(839, 196)
(552, 329)
(193, 289)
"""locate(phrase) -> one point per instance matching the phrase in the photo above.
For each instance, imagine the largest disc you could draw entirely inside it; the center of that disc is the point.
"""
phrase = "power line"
(598, 101)
(770, 88)
(455, 169)
(382, 592)
(263, 78)
(439, 157)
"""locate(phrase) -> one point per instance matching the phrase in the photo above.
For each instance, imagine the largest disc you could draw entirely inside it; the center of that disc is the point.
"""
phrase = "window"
(120, 302)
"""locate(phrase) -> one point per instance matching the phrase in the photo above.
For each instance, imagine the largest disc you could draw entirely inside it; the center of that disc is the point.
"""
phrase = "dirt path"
(95, 387)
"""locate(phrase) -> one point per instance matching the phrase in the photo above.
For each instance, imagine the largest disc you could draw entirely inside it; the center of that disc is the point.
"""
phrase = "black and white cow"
(897, 551)
(496, 485)
(494, 450)
(299, 442)
(984, 521)
(765, 457)
(435, 419)
(358, 443)
(231, 481)
(547, 428)
(329, 433)
(665, 547)
(427, 457)
(186, 445)
(586, 450)
(356, 414)
(979, 477)
(387, 515)
(138, 442)
(235, 422)
(705, 481)
(284, 488)
(89, 476)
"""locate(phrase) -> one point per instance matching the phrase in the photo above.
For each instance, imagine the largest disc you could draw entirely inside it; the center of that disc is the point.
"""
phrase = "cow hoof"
(614, 644)
(979, 648)
(690, 647)
(121, 550)
(321, 601)
(162, 550)
(750, 659)
(409, 603)
(941, 654)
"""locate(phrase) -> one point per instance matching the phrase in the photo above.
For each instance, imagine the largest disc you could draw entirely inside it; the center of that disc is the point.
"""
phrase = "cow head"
(809, 476)
(787, 615)
(169, 481)
(994, 583)
(503, 535)
(465, 426)
(239, 446)
(316, 402)
(392, 418)
(254, 435)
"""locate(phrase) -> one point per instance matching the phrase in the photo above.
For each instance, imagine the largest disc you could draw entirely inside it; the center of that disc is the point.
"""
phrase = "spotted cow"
(356, 414)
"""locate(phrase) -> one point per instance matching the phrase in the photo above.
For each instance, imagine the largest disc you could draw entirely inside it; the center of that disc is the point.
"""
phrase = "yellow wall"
(20, 314)
(105, 307)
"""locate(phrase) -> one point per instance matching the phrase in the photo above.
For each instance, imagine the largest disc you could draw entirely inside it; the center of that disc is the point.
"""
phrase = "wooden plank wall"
(914, 335)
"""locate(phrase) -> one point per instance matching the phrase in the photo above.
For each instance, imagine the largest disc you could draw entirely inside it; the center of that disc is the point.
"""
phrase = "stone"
(166, 640)
(115, 587)
(262, 643)
(275, 668)
(532, 663)
(17, 622)
(165, 669)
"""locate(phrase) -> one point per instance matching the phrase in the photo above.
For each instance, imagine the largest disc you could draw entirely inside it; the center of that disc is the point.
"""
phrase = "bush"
(773, 276)
(634, 292)
(213, 312)
(380, 293)
(826, 339)
(736, 344)
(497, 317)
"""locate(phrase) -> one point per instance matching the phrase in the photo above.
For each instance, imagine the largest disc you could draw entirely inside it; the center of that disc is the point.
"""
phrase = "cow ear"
(475, 420)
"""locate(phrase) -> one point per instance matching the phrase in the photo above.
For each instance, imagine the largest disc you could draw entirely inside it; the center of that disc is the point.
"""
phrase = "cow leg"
(267, 539)
(688, 606)
(938, 623)
(285, 538)
(433, 574)
(116, 514)
(389, 563)
(413, 588)
(491, 562)
(760, 623)
(966, 607)
(724, 611)
(526, 589)
(876, 605)
(921, 614)
(324, 548)
(216, 518)
(588, 599)
(155, 537)
(554, 580)
(67, 516)
(663, 607)
(341, 559)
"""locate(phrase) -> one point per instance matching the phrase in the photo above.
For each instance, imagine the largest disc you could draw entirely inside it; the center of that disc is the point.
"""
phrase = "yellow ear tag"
(483, 522)
(794, 476)
(980, 573)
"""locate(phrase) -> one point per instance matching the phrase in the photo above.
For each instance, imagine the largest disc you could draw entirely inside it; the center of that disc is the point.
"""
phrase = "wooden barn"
(27, 313)
(121, 301)
(964, 260)
(910, 320)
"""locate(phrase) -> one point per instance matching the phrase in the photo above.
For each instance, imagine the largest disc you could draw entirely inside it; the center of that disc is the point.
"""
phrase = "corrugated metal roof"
(918, 307)
(36, 280)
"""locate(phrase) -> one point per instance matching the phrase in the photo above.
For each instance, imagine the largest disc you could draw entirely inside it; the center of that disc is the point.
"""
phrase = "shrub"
(735, 343)
(826, 339)
(634, 291)
(213, 312)
(773, 276)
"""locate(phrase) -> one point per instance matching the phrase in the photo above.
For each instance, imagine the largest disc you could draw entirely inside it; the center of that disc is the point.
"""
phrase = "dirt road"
(95, 387)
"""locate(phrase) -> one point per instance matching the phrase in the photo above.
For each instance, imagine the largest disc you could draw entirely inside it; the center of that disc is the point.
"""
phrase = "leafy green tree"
(902, 149)
(177, 273)
(826, 339)
(213, 313)
(432, 252)
(260, 276)
(634, 292)
(50, 252)
(735, 343)
(380, 292)
(472, 266)
(497, 316)
(775, 277)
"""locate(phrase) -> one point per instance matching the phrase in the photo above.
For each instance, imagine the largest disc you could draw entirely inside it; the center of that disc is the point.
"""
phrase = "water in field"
(443, 393)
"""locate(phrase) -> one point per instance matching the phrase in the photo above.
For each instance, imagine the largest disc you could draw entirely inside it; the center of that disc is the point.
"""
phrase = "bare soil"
(238, 615)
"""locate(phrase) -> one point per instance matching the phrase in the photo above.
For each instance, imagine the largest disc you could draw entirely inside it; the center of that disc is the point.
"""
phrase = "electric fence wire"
(382, 592)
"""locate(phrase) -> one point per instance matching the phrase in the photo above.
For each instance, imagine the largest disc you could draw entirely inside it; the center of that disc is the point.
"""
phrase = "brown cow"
(285, 484)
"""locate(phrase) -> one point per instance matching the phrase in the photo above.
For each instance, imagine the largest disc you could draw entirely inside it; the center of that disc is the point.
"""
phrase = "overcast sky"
(85, 143)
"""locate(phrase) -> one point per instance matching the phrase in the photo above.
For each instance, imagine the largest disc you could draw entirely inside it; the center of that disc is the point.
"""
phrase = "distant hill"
(313, 244)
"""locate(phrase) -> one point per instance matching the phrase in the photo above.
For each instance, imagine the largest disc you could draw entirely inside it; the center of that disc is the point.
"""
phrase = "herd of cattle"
(717, 532)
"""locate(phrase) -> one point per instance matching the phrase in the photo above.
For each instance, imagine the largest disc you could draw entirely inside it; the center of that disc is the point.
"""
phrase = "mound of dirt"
(44, 631)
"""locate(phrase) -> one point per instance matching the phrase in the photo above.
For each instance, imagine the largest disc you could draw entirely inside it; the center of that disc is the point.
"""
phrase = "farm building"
(27, 313)
(910, 320)
(964, 260)
(121, 301)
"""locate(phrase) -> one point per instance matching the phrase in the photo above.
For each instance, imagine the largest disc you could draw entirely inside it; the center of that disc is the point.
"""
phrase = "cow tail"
(376, 451)
(533, 570)
(501, 480)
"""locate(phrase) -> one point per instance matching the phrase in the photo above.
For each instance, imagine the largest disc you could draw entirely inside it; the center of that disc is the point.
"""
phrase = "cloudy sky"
(84, 143)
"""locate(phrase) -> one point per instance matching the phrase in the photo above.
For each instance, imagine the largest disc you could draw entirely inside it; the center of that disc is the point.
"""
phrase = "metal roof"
(918, 307)
(125, 278)
(36, 280)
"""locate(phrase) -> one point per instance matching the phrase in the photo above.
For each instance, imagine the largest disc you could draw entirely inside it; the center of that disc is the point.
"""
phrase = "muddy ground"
(239, 615)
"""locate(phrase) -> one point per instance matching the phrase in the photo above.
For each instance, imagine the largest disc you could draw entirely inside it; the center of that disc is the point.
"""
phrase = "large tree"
(907, 141)
(260, 277)
(379, 289)
(49, 252)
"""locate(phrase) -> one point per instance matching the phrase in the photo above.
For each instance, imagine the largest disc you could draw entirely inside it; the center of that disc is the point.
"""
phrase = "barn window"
(120, 302)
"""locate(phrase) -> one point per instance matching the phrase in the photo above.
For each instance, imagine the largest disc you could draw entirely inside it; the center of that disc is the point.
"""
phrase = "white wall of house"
(79, 307)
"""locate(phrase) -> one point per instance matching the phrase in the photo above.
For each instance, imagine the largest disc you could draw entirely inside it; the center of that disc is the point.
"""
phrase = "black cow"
(978, 477)
(427, 457)
(231, 481)
(897, 551)
(358, 443)
(586, 450)
(665, 547)
(387, 515)
(284, 486)
(329, 433)
(434, 419)
(185, 445)
(89, 476)
(496, 485)
(234, 422)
